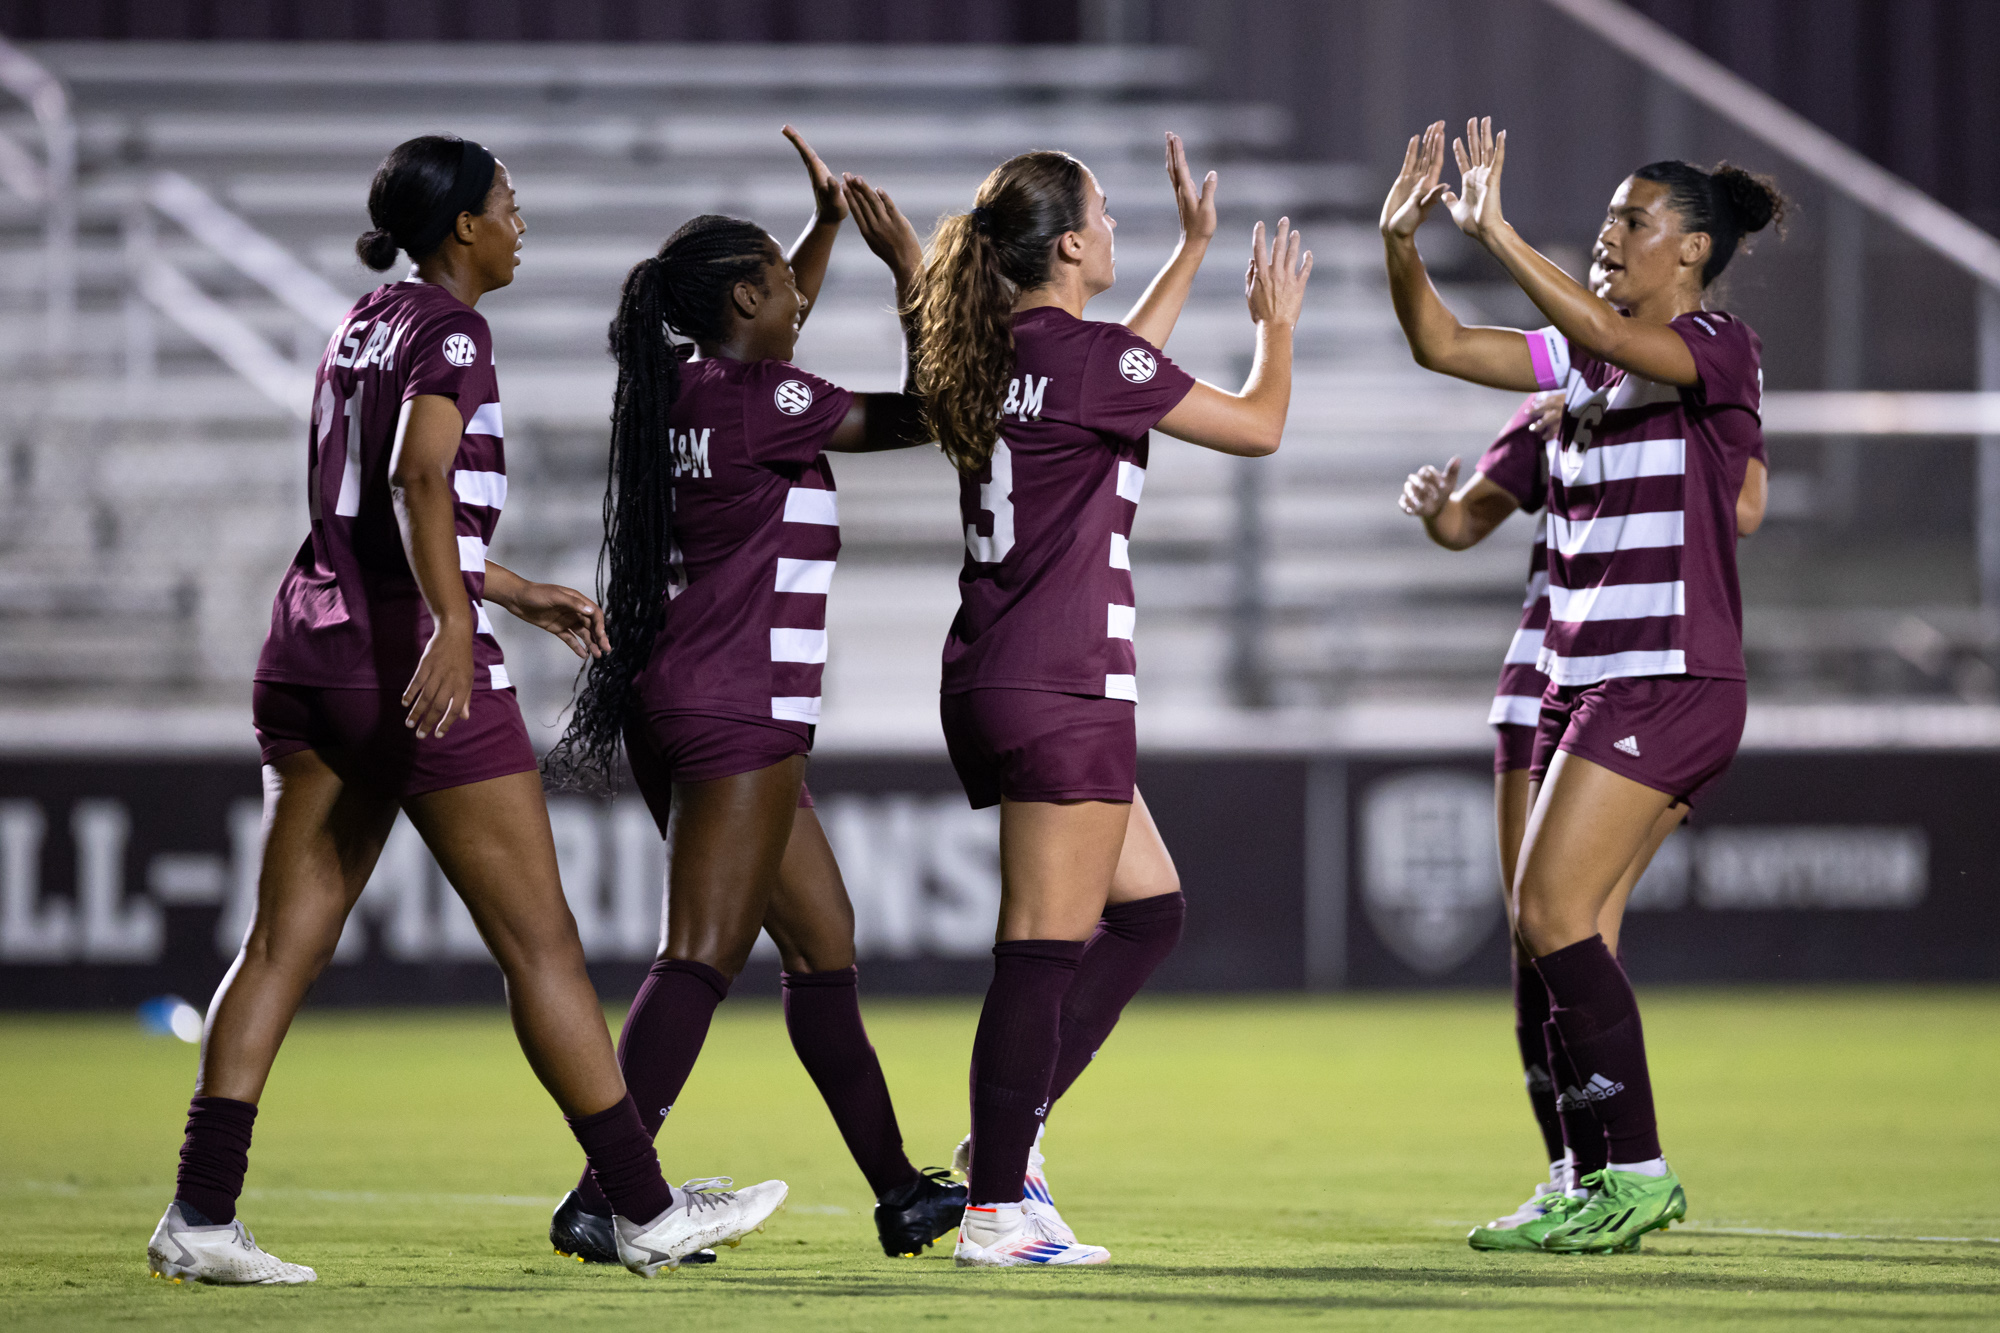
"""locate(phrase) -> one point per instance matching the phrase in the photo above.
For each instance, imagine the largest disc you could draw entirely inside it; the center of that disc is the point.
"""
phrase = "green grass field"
(1250, 1163)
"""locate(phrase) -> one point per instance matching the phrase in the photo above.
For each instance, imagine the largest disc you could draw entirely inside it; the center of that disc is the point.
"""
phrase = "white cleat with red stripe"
(226, 1255)
(1019, 1236)
(1034, 1186)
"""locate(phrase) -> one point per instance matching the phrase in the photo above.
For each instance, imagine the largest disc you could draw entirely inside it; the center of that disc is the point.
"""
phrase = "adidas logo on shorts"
(1630, 745)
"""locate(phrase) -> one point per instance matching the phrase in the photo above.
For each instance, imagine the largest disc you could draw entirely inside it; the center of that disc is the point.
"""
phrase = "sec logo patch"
(460, 350)
(1137, 365)
(793, 397)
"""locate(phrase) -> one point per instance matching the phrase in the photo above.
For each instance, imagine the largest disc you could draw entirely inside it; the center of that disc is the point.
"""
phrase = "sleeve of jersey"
(789, 414)
(1128, 384)
(1514, 461)
(445, 354)
(1548, 350)
(1728, 355)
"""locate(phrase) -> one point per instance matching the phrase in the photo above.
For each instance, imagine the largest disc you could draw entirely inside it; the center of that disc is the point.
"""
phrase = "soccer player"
(381, 687)
(1046, 416)
(1660, 440)
(721, 532)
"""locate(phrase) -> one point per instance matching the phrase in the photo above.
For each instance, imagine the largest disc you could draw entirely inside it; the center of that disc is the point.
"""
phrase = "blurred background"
(181, 182)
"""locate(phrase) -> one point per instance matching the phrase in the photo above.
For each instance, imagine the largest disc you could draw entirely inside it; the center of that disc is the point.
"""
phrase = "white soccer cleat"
(1034, 1186)
(705, 1213)
(226, 1255)
(1560, 1184)
(1018, 1237)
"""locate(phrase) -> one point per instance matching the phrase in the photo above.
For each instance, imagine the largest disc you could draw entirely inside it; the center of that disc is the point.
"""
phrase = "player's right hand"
(1196, 207)
(885, 229)
(1426, 490)
(1547, 419)
(440, 693)
(1276, 282)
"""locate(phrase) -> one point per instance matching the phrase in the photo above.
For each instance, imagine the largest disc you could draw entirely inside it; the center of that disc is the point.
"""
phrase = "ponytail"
(964, 303)
(1727, 203)
(684, 288)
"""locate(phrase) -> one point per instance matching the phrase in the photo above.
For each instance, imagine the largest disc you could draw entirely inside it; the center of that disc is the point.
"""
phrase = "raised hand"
(885, 229)
(1476, 205)
(1426, 490)
(829, 199)
(565, 613)
(1416, 190)
(1275, 285)
(1196, 207)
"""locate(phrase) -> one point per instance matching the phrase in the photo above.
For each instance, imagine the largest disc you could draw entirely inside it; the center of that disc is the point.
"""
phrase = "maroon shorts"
(1038, 745)
(1513, 747)
(361, 736)
(1675, 734)
(668, 747)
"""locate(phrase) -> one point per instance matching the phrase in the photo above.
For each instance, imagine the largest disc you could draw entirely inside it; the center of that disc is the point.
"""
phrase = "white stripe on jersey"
(795, 708)
(1526, 649)
(812, 506)
(1122, 687)
(1617, 601)
(798, 645)
(1131, 481)
(471, 555)
(1615, 532)
(1520, 710)
(485, 489)
(805, 576)
(498, 678)
(484, 626)
(1121, 551)
(1121, 621)
(1538, 586)
(486, 421)
(1623, 462)
(1590, 670)
(348, 503)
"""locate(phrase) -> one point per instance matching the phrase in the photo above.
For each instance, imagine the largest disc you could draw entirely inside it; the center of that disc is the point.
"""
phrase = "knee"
(1545, 926)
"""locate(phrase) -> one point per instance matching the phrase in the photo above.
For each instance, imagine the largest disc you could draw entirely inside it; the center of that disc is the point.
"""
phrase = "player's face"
(497, 233)
(781, 306)
(1099, 259)
(1641, 247)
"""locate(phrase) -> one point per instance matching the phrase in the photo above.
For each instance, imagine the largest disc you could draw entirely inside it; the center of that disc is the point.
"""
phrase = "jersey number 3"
(996, 500)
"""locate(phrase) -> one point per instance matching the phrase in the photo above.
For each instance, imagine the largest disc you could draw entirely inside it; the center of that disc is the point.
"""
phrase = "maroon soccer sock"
(1013, 1058)
(1130, 941)
(1531, 1013)
(823, 1016)
(1598, 1016)
(1582, 1132)
(662, 1039)
(214, 1156)
(622, 1161)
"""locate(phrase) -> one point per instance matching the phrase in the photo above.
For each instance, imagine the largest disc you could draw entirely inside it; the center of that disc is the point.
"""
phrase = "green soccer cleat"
(1623, 1207)
(1524, 1228)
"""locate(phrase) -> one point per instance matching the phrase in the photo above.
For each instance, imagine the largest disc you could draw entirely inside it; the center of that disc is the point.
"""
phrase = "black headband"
(982, 220)
(469, 189)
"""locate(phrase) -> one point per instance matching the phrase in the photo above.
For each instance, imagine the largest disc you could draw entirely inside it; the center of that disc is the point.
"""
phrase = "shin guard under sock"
(622, 1161)
(1598, 1016)
(1130, 941)
(823, 1017)
(1013, 1059)
(1531, 1012)
(214, 1156)
(662, 1039)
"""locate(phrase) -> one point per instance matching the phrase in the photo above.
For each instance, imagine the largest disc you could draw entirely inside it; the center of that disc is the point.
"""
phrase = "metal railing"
(157, 286)
(49, 183)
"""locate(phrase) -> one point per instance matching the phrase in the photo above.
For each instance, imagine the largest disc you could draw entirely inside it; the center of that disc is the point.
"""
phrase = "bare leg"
(1587, 828)
(1057, 861)
(1144, 870)
(1611, 917)
(810, 917)
(729, 838)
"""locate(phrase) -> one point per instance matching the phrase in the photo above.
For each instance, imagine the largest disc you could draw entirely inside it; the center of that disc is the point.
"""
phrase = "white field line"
(1829, 1235)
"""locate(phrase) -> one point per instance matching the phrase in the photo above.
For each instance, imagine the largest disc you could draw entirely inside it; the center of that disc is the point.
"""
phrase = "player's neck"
(456, 279)
(1065, 291)
(1665, 307)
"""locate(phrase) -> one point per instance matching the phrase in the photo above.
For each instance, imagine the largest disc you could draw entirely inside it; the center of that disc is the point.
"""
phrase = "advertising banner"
(121, 880)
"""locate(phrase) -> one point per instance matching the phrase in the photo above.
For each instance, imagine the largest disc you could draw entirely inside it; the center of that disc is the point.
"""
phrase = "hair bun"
(1753, 200)
(377, 249)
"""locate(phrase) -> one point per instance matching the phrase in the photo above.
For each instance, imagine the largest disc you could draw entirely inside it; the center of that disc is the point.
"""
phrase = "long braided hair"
(684, 288)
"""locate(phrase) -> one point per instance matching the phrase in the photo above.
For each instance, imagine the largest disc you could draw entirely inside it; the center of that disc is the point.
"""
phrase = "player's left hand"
(1547, 419)
(565, 613)
(829, 199)
(1476, 205)
(1196, 207)
(885, 229)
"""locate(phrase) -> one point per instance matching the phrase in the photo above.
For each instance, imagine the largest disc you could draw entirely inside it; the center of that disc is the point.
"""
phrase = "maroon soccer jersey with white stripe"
(1518, 463)
(1642, 507)
(756, 533)
(349, 614)
(1045, 596)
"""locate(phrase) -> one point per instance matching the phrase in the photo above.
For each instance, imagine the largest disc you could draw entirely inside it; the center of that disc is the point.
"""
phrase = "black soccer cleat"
(919, 1214)
(590, 1238)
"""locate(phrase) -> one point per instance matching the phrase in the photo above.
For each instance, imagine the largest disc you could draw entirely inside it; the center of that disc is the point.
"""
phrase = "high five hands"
(1196, 207)
(885, 229)
(1475, 206)
(1275, 284)
(829, 199)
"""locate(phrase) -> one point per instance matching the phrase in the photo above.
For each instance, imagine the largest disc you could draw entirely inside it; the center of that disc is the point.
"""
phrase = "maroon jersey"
(756, 532)
(1045, 597)
(1517, 462)
(1642, 507)
(349, 614)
